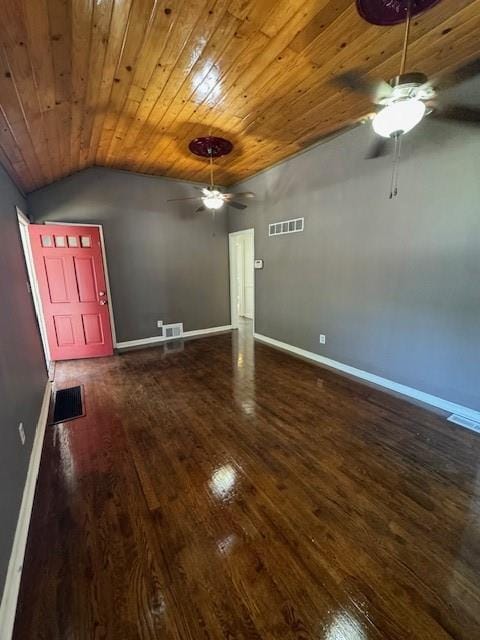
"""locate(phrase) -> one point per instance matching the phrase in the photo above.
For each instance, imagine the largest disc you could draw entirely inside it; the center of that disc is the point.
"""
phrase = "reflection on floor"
(219, 489)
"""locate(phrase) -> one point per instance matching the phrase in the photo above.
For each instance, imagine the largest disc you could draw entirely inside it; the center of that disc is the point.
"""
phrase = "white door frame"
(250, 233)
(105, 268)
(23, 223)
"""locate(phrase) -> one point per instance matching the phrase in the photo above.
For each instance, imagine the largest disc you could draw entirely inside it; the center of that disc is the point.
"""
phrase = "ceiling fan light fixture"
(213, 200)
(398, 118)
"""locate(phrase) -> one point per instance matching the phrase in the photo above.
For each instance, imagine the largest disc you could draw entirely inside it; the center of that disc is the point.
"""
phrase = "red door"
(71, 279)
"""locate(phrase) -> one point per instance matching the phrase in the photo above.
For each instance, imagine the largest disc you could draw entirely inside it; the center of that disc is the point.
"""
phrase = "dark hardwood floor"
(230, 491)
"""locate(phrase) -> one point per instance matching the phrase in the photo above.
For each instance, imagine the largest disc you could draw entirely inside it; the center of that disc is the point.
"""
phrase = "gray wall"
(394, 285)
(22, 369)
(165, 262)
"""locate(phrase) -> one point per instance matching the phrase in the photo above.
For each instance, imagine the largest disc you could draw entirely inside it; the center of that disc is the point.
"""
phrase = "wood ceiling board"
(139, 93)
(101, 19)
(60, 38)
(313, 92)
(20, 72)
(322, 22)
(16, 123)
(432, 48)
(139, 22)
(128, 83)
(205, 73)
(274, 48)
(183, 69)
(176, 44)
(194, 122)
(350, 119)
(82, 13)
(239, 72)
(116, 38)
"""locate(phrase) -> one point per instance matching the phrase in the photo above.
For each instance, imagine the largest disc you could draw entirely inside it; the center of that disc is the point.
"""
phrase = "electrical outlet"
(159, 324)
(322, 339)
(21, 431)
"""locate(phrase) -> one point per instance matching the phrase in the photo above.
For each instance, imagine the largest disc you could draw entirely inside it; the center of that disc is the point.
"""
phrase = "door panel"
(64, 330)
(85, 277)
(71, 279)
(57, 285)
(92, 328)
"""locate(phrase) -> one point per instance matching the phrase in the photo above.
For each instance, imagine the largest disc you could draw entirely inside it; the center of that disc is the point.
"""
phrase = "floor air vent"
(68, 405)
(464, 422)
(172, 331)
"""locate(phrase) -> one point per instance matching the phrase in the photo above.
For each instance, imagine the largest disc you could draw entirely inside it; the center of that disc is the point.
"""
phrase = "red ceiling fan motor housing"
(210, 146)
(388, 12)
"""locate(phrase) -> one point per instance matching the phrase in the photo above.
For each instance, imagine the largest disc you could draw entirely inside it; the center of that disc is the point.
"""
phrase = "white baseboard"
(141, 342)
(402, 389)
(205, 332)
(15, 565)
(160, 339)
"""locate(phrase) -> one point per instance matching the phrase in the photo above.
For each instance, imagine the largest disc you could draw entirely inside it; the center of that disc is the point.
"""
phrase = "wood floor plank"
(228, 490)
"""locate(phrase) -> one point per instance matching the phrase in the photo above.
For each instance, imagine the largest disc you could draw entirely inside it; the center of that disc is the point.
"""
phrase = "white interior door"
(242, 275)
(248, 276)
(23, 223)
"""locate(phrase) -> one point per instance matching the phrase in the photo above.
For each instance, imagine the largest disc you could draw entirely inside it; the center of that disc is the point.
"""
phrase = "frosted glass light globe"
(213, 200)
(398, 117)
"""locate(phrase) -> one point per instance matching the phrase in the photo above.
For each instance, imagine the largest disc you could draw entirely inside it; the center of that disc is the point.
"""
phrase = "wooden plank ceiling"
(128, 83)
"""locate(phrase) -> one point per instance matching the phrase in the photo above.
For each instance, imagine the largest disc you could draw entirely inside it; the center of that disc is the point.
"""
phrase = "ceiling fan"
(406, 99)
(212, 198)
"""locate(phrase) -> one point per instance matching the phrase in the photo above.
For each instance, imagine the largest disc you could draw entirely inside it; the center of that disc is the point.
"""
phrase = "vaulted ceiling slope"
(127, 83)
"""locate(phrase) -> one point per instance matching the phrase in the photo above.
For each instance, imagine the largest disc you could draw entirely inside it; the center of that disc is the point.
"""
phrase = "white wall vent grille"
(464, 422)
(173, 330)
(286, 226)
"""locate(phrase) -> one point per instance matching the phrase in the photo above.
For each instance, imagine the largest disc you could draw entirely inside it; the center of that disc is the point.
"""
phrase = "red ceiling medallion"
(388, 12)
(210, 147)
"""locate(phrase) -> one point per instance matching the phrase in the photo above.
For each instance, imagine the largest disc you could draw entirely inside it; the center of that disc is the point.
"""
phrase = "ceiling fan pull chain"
(395, 168)
(392, 179)
(211, 171)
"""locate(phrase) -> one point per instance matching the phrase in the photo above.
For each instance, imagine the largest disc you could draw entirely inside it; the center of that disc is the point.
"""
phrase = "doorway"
(242, 278)
(70, 275)
(23, 223)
